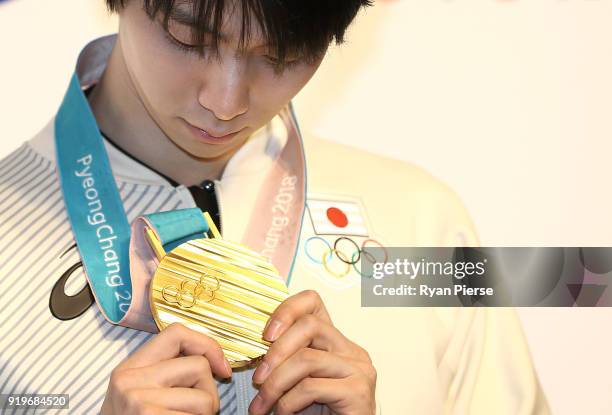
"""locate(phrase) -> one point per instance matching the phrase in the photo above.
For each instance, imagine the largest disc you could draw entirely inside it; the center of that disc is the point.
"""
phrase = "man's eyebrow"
(184, 17)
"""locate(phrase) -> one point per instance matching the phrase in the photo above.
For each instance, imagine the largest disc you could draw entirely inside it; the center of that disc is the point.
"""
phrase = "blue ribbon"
(178, 226)
(94, 207)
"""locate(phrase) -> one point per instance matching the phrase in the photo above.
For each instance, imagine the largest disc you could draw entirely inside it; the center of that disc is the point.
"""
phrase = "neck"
(122, 116)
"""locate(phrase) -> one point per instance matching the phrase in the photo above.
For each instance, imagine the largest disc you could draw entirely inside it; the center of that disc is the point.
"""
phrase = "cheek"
(273, 93)
(160, 74)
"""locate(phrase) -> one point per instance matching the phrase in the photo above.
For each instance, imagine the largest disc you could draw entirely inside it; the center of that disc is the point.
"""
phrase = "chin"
(207, 151)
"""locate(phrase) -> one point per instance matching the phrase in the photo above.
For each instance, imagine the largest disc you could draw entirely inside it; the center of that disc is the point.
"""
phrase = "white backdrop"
(506, 101)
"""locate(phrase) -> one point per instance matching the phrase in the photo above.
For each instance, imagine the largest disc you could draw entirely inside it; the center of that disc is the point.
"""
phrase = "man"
(192, 99)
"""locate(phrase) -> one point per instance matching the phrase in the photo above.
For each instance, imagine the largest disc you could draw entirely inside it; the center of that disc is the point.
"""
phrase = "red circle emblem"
(337, 217)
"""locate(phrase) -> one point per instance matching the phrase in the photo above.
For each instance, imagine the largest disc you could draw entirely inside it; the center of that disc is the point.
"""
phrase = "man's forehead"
(231, 27)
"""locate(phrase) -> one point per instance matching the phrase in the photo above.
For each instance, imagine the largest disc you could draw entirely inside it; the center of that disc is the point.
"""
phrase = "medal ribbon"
(95, 210)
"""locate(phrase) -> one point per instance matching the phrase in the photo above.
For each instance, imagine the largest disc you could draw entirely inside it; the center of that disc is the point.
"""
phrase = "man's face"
(185, 91)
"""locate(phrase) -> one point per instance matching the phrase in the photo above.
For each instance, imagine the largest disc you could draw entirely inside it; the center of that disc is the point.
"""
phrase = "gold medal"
(219, 288)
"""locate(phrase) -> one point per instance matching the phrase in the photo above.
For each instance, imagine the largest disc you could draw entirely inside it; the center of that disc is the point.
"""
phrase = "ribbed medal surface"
(221, 289)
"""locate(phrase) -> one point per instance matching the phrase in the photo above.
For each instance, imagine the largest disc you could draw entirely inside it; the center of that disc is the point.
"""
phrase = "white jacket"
(429, 360)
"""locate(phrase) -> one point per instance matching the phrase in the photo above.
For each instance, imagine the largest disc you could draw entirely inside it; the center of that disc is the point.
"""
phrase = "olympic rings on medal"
(354, 258)
(187, 298)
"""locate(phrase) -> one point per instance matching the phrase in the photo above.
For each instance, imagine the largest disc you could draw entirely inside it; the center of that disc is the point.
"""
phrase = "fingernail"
(267, 324)
(261, 373)
(228, 368)
(274, 330)
(256, 405)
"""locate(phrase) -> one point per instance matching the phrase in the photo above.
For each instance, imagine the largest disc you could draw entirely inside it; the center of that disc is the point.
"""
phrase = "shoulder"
(28, 158)
(437, 213)
(25, 173)
(328, 155)
(40, 147)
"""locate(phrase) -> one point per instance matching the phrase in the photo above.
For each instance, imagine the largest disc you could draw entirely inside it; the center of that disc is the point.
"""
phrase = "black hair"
(301, 27)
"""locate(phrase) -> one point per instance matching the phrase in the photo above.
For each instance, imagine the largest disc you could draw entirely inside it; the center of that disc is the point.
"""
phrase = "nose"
(225, 87)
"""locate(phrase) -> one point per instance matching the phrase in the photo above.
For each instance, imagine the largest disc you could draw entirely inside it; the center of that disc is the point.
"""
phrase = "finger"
(189, 372)
(303, 394)
(294, 307)
(348, 395)
(193, 401)
(308, 331)
(186, 371)
(174, 340)
(306, 363)
(158, 410)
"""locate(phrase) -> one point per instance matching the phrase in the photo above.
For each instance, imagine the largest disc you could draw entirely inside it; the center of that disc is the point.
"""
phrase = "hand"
(171, 374)
(311, 361)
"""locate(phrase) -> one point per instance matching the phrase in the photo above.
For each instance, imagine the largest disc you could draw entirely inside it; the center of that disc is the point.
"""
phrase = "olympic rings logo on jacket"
(350, 259)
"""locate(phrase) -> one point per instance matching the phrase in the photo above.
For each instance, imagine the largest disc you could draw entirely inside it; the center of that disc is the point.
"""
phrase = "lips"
(215, 135)
(210, 137)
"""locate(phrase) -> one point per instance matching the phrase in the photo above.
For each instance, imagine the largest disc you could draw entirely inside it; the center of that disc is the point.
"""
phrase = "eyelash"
(277, 67)
(184, 47)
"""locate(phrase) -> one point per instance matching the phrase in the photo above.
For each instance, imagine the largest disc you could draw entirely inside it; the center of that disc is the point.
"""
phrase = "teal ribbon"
(178, 226)
(93, 204)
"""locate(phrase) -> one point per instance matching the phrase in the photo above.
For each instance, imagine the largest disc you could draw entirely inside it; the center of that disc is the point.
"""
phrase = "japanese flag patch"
(332, 246)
